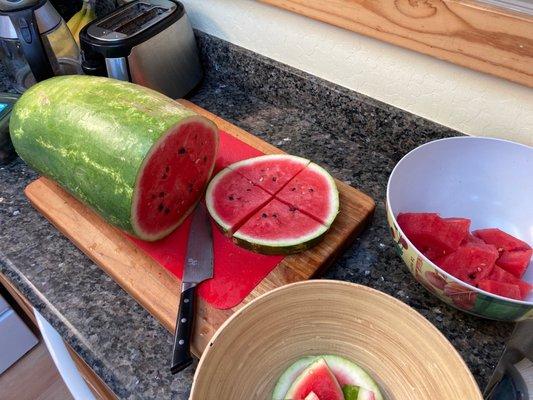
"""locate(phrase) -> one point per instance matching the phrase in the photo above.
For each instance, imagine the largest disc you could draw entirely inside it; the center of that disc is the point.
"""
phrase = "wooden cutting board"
(151, 284)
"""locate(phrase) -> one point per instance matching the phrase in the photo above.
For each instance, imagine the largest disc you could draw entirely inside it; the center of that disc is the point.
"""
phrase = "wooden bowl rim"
(415, 314)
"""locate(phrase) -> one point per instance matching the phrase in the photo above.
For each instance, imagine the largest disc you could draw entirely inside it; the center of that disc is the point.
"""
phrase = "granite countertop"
(358, 139)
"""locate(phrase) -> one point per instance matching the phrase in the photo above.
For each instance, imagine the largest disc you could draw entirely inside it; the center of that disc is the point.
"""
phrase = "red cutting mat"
(236, 271)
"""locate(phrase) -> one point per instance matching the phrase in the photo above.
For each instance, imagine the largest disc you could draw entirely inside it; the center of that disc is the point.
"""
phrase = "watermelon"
(308, 191)
(500, 239)
(500, 288)
(312, 396)
(501, 275)
(470, 263)
(243, 200)
(316, 378)
(432, 234)
(471, 239)
(279, 228)
(135, 156)
(515, 262)
(270, 172)
(231, 199)
(345, 371)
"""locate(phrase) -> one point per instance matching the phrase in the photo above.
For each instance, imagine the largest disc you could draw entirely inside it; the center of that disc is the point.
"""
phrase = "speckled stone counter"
(358, 139)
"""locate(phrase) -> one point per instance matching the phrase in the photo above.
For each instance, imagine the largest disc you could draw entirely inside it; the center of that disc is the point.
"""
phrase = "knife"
(198, 267)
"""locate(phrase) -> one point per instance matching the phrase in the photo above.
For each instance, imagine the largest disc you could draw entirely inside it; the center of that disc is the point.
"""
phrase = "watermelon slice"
(470, 263)
(231, 199)
(501, 275)
(500, 239)
(270, 172)
(515, 262)
(432, 234)
(345, 371)
(500, 288)
(316, 378)
(313, 192)
(278, 228)
(312, 396)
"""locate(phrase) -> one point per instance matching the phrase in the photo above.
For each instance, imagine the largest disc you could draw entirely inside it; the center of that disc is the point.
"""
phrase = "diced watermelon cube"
(515, 262)
(501, 275)
(500, 288)
(470, 263)
(430, 231)
(500, 239)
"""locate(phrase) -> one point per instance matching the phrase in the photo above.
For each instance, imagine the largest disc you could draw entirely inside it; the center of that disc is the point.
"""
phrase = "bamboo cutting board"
(154, 287)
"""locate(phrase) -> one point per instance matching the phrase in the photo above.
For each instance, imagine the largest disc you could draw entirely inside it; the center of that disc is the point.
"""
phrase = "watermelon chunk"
(515, 262)
(470, 263)
(316, 378)
(432, 234)
(501, 275)
(313, 191)
(270, 172)
(279, 228)
(231, 199)
(500, 239)
(471, 239)
(500, 288)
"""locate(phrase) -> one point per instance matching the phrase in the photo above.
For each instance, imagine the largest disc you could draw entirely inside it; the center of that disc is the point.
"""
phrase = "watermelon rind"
(209, 200)
(280, 245)
(92, 135)
(357, 375)
(333, 196)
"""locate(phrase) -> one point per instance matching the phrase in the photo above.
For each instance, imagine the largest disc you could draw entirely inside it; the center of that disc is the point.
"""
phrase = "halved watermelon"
(345, 371)
(500, 288)
(501, 239)
(313, 191)
(231, 199)
(501, 275)
(515, 262)
(270, 172)
(470, 263)
(278, 228)
(432, 234)
(316, 378)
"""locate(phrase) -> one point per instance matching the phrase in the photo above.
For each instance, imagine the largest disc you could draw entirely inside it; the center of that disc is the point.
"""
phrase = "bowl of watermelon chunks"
(461, 217)
(330, 340)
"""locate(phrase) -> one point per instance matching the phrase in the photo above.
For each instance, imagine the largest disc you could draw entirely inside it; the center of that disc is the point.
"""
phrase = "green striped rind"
(280, 246)
(91, 135)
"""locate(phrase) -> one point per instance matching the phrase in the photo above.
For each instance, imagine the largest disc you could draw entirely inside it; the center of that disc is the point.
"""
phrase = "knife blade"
(198, 267)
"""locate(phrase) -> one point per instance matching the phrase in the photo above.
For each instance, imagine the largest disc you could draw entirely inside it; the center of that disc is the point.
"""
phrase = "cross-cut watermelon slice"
(500, 239)
(501, 275)
(316, 378)
(500, 288)
(470, 263)
(278, 228)
(270, 172)
(313, 191)
(345, 371)
(515, 262)
(231, 199)
(432, 234)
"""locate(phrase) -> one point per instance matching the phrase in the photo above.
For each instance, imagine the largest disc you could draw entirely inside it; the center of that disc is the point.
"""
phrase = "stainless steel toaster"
(148, 42)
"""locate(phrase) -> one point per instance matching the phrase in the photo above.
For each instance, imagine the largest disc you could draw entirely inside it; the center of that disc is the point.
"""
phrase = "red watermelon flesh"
(471, 239)
(231, 199)
(501, 275)
(500, 239)
(173, 178)
(500, 288)
(316, 378)
(313, 192)
(279, 228)
(271, 172)
(515, 262)
(470, 263)
(432, 234)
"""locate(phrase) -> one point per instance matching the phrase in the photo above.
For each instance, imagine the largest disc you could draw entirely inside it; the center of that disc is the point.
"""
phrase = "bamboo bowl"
(407, 356)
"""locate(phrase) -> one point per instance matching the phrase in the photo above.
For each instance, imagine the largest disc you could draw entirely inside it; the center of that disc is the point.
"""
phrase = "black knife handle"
(181, 353)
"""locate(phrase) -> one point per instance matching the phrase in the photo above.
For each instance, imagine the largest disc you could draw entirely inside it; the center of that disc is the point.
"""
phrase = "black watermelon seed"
(274, 178)
(248, 190)
(190, 187)
(264, 215)
(181, 150)
(311, 189)
(275, 215)
(160, 207)
(231, 197)
(292, 208)
(293, 189)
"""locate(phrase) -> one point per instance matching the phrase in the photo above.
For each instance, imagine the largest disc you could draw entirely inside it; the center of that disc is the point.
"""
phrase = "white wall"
(469, 101)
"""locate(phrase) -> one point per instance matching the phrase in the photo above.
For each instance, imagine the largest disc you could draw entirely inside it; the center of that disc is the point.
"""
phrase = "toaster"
(148, 42)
